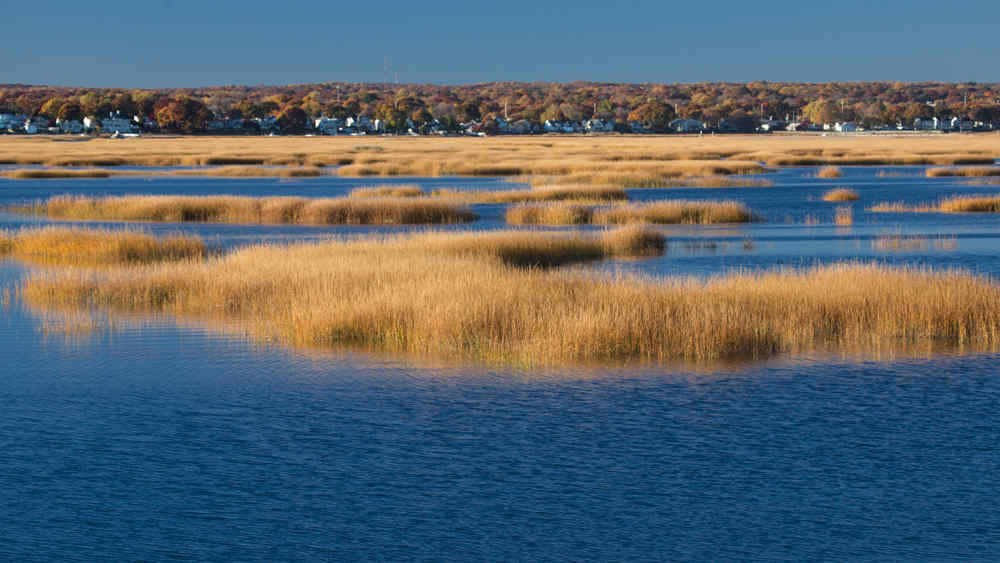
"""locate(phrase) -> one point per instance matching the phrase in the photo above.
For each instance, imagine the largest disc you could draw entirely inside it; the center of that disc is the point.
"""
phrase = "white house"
(846, 127)
(328, 125)
(959, 124)
(599, 125)
(70, 126)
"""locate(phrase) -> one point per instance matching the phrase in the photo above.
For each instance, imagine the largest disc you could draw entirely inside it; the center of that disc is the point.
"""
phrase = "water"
(161, 439)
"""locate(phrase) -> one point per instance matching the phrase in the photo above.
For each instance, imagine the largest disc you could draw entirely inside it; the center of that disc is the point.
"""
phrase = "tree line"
(742, 105)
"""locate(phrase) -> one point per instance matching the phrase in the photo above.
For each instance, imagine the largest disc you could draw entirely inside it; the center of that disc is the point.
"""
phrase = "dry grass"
(238, 209)
(250, 172)
(468, 296)
(660, 212)
(44, 173)
(844, 216)
(965, 171)
(841, 194)
(953, 204)
(88, 247)
(388, 191)
(675, 212)
(903, 243)
(829, 172)
(542, 193)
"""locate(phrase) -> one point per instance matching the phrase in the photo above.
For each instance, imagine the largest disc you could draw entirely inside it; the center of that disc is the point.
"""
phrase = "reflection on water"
(147, 438)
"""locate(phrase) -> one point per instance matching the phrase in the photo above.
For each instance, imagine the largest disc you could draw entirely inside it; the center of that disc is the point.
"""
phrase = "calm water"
(160, 440)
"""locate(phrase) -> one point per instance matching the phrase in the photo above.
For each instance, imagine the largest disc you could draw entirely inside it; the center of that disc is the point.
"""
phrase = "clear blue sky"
(186, 43)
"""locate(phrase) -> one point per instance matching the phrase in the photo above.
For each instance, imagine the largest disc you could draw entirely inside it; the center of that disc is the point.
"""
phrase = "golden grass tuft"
(953, 204)
(675, 212)
(660, 212)
(46, 173)
(253, 172)
(388, 191)
(88, 247)
(841, 194)
(468, 296)
(541, 193)
(902, 243)
(844, 216)
(241, 209)
(964, 171)
(829, 172)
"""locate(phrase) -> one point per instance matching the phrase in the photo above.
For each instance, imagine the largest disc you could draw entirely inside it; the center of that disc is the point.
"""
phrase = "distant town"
(502, 109)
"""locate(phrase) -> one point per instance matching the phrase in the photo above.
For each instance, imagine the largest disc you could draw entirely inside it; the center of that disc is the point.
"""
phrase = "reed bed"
(541, 193)
(660, 212)
(250, 172)
(242, 209)
(45, 173)
(903, 243)
(843, 216)
(841, 194)
(829, 172)
(388, 191)
(964, 171)
(89, 247)
(468, 296)
(953, 204)
(504, 153)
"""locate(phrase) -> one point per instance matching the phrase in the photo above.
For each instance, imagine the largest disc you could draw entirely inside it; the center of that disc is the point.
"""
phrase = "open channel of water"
(160, 439)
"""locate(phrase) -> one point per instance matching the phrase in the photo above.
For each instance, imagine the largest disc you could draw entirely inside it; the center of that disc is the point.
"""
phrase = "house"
(686, 126)
(599, 125)
(70, 126)
(523, 127)
(926, 124)
(269, 123)
(556, 126)
(111, 124)
(328, 125)
(800, 126)
(846, 127)
(959, 124)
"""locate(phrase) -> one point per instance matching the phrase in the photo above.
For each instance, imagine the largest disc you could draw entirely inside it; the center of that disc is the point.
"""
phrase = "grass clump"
(841, 194)
(89, 247)
(490, 297)
(660, 212)
(388, 191)
(541, 193)
(829, 172)
(675, 212)
(844, 216)
(953, 204)
(46, 173)
(964, 171)
(242, 209)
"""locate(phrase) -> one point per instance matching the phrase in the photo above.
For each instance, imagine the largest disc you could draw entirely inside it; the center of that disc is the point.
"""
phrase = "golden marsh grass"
(965, 171)
(388, 191)
(829, 172)
(541, 193)
(672, 212)
(952, 204)
(243, 209)
(75, 246)
(45, 173)
(841, 194)
(468, 296)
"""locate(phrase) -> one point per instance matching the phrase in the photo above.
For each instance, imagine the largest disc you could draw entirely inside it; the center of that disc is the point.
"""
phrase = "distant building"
(599, 125)
(70, 126)
(686, 126)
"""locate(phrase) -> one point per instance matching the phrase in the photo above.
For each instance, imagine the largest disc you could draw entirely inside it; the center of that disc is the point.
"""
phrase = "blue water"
(163, 439)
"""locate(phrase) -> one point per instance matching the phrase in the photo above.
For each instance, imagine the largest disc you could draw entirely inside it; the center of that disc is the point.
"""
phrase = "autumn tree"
(70, 111)
(654, 116)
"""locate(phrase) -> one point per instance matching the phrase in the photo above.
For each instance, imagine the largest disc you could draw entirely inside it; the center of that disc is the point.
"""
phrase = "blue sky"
(186, 43)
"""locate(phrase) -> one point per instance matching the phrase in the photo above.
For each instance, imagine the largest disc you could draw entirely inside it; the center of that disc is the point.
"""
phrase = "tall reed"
(87, 247)
(469, 296)
(242, 209)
